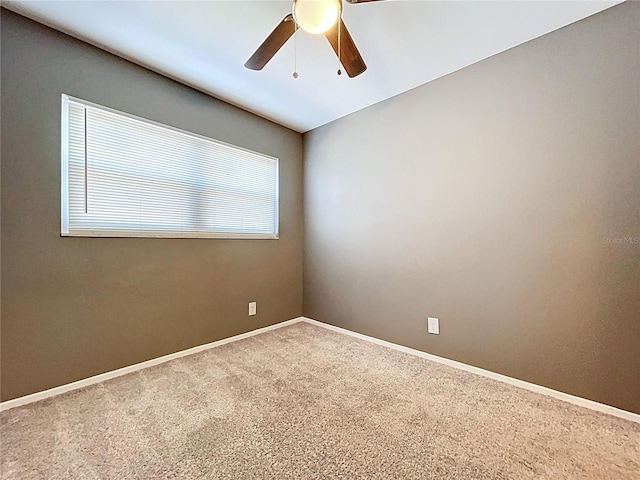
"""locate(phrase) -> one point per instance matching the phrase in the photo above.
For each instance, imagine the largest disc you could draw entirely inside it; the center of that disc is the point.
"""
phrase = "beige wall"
(76, 307)
(483, 198)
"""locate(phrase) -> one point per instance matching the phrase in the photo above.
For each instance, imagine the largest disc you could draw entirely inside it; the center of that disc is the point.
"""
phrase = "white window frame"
(65, 225)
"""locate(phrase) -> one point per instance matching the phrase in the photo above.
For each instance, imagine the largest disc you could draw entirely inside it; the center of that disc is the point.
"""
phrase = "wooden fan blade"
(349, 54)
(272, 44)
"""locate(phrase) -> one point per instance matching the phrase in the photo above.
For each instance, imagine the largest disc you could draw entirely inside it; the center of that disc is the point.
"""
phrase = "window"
(123, 176)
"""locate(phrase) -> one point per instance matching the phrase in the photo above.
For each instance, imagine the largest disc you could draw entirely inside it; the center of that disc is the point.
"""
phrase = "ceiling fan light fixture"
(316, 16)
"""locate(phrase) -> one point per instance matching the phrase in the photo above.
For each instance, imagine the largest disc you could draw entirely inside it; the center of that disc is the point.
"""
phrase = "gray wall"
(76, 307)
(483, 198)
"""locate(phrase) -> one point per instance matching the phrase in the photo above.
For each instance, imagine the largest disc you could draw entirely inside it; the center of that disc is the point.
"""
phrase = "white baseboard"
(582, 402)
(34, 397)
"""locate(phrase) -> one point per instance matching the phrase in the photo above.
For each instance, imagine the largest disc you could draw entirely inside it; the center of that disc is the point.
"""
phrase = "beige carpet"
(304, 402)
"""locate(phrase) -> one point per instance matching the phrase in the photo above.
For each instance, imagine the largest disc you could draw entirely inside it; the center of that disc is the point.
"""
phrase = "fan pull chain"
(295, 50)
(339, 45)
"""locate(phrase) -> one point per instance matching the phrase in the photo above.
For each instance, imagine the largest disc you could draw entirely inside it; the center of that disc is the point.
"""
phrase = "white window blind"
(123, 176)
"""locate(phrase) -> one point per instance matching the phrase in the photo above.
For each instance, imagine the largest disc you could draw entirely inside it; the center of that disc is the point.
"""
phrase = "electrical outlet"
(252, 308)
(433, 326)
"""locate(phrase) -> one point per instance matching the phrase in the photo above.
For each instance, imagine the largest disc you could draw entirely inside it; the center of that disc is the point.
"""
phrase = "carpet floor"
(304, 402)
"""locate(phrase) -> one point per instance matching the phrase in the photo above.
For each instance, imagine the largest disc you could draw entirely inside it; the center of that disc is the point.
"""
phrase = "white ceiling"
(404, 43)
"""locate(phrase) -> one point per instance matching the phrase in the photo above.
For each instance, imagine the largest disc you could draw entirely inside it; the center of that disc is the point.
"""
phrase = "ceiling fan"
(313, 16)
